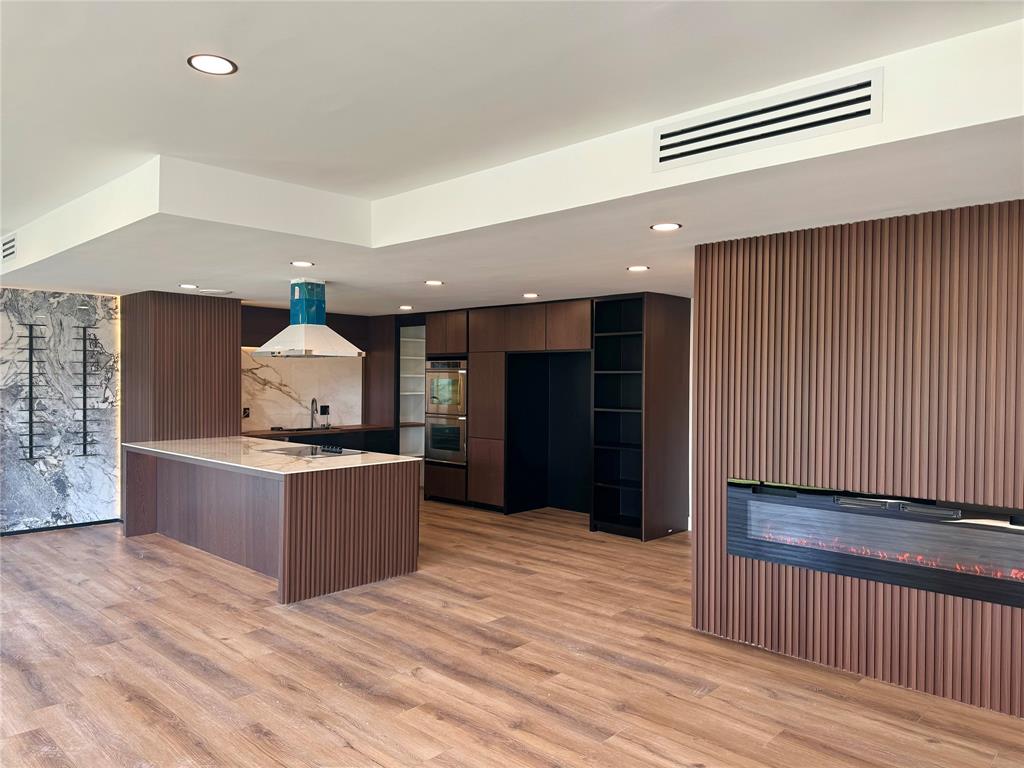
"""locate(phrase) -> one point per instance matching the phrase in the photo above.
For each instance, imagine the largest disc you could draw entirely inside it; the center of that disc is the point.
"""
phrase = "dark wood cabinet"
(379, 374)
(487, 395)
(455, 332)
(568, 325)
(444, 482)
(525, 328)
(486, 472)
(446, 333)
(487, 330)
(666, 414)
(508, 329)
(437, 333)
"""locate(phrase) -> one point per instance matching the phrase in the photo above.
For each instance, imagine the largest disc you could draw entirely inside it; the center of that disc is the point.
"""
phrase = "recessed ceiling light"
(637, 268)
(214, 291)
(405, 307)
(211, 64)
(187, 286)
(530, 295)
(433, 282)
(303, 264)
(666, 227)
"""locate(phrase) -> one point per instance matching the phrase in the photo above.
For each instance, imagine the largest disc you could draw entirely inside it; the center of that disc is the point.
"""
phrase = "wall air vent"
(827, 107)
(10, 246)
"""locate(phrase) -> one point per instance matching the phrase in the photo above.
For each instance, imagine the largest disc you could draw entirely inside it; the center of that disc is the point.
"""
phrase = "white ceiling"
(577, 252)
(371, 99)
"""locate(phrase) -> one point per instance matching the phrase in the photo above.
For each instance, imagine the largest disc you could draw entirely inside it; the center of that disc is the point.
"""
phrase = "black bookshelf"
(640, 468)
(618, 416)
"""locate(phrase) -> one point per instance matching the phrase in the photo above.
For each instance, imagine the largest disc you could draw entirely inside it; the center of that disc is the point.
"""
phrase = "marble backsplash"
(59, 485)
(277, 390)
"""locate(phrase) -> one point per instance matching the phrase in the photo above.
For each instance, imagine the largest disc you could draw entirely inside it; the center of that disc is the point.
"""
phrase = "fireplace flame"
(914, 558)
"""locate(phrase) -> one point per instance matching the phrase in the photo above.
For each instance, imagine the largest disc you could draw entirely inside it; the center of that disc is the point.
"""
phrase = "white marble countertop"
(255, 455)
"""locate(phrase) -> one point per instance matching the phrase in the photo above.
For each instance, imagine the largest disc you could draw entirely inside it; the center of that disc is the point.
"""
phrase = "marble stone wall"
(60, 486)
(277, 390)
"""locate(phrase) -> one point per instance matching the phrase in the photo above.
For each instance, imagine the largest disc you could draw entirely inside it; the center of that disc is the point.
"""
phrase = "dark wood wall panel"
(882, 357)
(346, 527)
(181, 373)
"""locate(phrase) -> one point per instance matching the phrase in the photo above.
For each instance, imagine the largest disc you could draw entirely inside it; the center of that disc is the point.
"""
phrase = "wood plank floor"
(522, 641)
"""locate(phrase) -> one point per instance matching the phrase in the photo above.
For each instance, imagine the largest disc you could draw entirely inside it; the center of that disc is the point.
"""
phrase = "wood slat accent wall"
(347, 527)
(878, 357)
(180, 374)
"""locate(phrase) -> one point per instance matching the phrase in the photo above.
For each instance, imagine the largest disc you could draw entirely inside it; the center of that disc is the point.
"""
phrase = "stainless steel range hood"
(308, 334)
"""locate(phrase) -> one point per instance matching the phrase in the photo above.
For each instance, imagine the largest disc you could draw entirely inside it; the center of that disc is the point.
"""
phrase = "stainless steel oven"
(446, 439)
(446, 387)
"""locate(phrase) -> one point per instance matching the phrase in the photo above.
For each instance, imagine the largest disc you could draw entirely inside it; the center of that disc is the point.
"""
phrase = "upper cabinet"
(487, 330)
(446, 333)
(437, 333)
(520, 328)
(568, 325)
(455, 333)
(525, 326)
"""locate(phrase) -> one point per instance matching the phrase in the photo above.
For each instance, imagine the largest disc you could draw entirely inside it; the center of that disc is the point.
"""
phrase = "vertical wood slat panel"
(181, 374)
(882, 357)
(343, 528)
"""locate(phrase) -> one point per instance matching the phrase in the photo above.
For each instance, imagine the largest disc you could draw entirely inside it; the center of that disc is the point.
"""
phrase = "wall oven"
(446, 388)
(445, 439)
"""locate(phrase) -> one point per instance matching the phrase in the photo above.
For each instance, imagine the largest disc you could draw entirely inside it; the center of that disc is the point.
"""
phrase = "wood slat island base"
(317, 525)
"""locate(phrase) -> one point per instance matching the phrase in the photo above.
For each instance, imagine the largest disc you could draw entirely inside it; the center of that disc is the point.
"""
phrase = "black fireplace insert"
(966, 550)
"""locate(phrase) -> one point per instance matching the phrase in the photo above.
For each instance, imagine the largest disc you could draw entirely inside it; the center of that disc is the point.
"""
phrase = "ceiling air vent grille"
(10, 247)
(835, 105)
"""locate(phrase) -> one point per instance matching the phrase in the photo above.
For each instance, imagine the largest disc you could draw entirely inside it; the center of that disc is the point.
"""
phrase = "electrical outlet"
(245, 413)
(325, 410)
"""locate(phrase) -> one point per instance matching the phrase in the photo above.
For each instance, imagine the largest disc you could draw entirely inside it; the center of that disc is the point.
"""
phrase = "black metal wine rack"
(88, 363)
(36, 388)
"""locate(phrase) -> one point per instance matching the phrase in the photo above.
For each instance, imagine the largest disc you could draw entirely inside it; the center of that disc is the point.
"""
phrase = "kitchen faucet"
(313, 407)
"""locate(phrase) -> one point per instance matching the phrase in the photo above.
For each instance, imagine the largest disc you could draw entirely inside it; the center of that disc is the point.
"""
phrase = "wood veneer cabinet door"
(379, 375)
(455, 332)
(487, 330)
(487, 395)
(525, 328)
(437, 333)
(485, 479)
(444, 482)
(568, 324)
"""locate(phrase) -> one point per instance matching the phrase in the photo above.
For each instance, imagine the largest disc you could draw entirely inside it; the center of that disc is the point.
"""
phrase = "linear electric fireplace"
(966, 550)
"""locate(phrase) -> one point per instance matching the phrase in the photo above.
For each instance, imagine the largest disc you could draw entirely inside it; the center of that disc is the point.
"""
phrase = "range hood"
(308, 334)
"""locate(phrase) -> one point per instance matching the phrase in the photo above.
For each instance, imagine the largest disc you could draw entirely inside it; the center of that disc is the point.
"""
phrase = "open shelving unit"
(411, 380)
(641, 370)
(618, 416)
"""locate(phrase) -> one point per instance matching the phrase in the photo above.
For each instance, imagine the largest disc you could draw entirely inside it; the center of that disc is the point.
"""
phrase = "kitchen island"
(315, 520)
